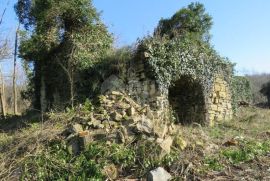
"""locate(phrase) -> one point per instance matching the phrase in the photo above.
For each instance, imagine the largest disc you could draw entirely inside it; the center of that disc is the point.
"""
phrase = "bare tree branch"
(4, 44)
(3, 13)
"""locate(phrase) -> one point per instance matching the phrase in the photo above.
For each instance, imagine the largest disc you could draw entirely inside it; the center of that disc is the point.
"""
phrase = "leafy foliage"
(266, 91)
(192, 19)
(248, 150)
(64, 37)
(179, 47)
(116, 62)
(55, 163)
(168, 59)
(241, 90)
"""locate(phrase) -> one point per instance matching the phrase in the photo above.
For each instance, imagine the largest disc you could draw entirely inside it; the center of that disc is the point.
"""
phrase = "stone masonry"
(146, 92)
(219, 106)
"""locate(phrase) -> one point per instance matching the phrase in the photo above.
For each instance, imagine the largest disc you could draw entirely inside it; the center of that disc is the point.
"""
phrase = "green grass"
(43, 155)
(246, 151)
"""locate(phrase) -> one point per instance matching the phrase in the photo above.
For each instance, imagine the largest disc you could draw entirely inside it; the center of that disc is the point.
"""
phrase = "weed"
(246, 152)
(213, 163)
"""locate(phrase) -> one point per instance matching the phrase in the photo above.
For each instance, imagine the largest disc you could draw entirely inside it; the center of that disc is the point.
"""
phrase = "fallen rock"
(160, 130)
(96, 124)
(145, 126)
(110, 171)
(159, 174)
(165, 144)
(131, 111)
(76, 128)
(73, 146)
(113, 83)
(115, 116)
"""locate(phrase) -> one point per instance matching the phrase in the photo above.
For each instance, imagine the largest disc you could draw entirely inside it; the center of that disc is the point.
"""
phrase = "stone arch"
(186, 99)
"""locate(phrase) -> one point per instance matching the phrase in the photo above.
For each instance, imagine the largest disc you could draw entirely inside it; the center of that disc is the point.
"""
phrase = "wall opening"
(187, 101)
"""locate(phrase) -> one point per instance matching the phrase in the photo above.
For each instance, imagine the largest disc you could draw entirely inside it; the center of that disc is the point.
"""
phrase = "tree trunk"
(14, 73)
(2, 94)
(72, 89)
(43, 104)
(70, 74)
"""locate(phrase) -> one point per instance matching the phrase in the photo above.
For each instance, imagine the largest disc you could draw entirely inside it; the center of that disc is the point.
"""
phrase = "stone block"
(217, 87)
(166, 144)
(213, 107)
(116, 116)
(222, 94)
(159, 174)
(220, 108)
(131, 111)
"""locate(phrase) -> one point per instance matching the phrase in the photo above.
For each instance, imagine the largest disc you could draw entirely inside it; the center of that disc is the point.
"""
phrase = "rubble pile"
(118, 119)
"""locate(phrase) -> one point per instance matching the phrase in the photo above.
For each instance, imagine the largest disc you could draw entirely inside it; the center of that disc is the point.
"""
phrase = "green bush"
(213, 163)
(241, 90)
(247, 151)
(265, 90)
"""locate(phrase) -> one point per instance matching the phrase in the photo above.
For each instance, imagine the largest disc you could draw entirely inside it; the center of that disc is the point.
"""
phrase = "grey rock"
(145, 126)
(96, 124)
(115, 116)
(76, 128)
(73, 146)
(113, 83)
(159, 174)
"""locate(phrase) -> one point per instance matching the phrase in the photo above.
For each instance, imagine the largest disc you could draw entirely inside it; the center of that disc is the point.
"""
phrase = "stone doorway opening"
(186, 100)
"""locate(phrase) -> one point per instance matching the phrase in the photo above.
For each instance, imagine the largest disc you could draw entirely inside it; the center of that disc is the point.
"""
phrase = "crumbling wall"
(213, 107)
(145, 91)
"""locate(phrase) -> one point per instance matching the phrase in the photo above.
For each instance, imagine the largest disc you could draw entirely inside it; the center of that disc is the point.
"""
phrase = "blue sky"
(241, 29)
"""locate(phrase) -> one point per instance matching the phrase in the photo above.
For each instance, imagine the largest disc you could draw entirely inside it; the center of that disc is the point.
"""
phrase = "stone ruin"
(186, 99)
(135, 105)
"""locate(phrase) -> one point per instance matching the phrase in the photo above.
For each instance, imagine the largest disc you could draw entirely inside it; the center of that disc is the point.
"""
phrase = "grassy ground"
(234, 150)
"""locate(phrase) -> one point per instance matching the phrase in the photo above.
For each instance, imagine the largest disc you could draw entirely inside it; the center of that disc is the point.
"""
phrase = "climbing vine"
(169, 59)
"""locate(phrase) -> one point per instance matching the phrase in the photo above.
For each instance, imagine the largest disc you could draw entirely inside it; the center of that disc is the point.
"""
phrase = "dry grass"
(202, 159)
(27, 140)
(206, 148)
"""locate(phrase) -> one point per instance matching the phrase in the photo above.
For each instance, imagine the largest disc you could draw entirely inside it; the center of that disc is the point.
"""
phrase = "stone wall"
(219, 103)
(146, 92)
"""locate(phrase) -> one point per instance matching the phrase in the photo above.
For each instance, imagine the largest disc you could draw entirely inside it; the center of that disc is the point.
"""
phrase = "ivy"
(169, 59)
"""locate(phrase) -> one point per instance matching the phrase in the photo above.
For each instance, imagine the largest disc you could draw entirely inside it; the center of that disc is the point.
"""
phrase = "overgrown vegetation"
(257, 81)
(43, 155)
(63, 38)
(116, 62)
(68, 54)
(266, 91)
(180, 46)
(241, 91)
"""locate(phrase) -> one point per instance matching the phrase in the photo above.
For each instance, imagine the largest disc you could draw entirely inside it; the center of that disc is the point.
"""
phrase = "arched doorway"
(187, 100)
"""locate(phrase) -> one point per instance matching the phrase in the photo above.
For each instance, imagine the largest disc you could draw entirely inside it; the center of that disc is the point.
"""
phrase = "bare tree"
(4, 54)
(14, 72)
(4, 44)
(2, 94)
